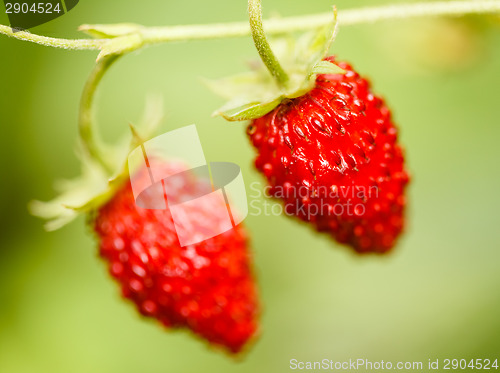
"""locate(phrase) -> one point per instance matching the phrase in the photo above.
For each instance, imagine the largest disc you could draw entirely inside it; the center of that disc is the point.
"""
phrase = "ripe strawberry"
(332, 156)
(207, 287)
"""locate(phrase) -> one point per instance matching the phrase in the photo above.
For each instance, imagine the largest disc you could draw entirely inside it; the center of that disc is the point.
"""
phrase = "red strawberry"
(332, 155)
(207, 287)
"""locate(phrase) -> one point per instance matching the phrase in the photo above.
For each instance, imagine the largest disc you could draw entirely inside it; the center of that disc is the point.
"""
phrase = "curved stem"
(74, 44)
(89, 138)
(155, 35)
(262, 45)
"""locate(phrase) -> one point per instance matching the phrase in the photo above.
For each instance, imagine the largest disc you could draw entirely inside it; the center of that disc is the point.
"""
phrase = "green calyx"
(255, 93)
(96, 185)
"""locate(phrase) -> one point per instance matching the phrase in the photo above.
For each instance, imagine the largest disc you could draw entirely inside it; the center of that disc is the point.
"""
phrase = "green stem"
(262, 45)
(156, 35)
(74, 44)
(89, 138)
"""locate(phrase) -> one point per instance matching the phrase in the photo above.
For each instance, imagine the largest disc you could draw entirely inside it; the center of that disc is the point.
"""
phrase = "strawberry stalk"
(263, 47)
(89, 138)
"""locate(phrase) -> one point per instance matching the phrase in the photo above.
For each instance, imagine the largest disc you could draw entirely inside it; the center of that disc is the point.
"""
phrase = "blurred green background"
(436, 296)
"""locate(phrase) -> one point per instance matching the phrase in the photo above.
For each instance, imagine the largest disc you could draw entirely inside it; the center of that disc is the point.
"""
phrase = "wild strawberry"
(207, 287)
(332, 156)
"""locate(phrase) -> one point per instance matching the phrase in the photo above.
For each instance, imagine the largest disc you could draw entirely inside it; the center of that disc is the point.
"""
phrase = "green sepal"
(314, 46)
(121, 45)
(75, 196)
(249, 111)
(254, 93)
(94, 187)
(326, 67)
(110, 31)
(122, 37)
(244, 86)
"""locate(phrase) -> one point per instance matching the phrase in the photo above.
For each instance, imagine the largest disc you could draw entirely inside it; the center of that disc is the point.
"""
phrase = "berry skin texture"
(332, 156)
(207, 287)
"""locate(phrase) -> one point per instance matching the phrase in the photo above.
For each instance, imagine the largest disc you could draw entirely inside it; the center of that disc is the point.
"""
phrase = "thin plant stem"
(262, 45)
(165, 34)
(88, 136)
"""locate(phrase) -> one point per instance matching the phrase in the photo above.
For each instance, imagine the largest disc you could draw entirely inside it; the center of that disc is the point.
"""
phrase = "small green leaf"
(110, 31)
(250, 85)
(326, 67)
(152, 117)
(318, 47)
(249, 111)
(75, 196)
(121, 45)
